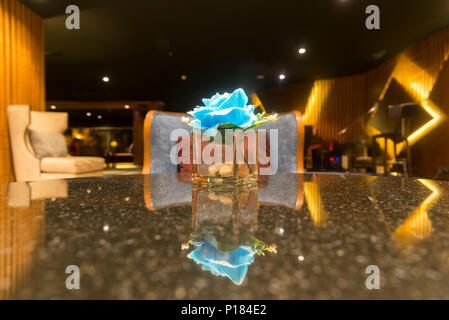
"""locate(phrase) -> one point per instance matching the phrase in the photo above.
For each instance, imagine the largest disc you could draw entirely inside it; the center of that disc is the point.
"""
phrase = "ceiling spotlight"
(99, 116)
(88, 114)
(260, 76)
(302, 50)
(282, 76)
(126, 106)
(53, 107)
(105, 79)
(183, 77)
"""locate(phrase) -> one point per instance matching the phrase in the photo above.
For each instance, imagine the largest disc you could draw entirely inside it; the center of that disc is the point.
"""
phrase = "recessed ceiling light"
(88, 114)
(126, 106)
(53, 107)
(260, 76)
(99, 116)
(282, 76)
(302, 50)
(105, 79)
(183, 77)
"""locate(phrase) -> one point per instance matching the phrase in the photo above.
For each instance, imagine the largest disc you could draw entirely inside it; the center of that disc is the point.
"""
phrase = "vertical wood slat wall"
(337, 103)
(21, 82)
(21, 69)
(20, 233)
(333, 104)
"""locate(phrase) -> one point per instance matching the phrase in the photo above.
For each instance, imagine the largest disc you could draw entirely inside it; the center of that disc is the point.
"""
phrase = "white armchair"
(27, 166)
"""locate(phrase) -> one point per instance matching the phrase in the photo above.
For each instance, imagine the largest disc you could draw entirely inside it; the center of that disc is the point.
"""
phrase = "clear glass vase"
(230, 214)
(229, 157)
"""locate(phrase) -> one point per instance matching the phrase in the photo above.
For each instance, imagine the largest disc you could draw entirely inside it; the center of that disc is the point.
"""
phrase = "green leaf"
(224, 126)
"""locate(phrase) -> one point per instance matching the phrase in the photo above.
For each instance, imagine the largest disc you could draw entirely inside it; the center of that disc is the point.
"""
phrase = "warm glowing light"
(260, 76)
(314, 203)
(302, 50)
(257, 103)
(88, 114)
(99, 116)
(432, 186)
(301, 258)
(317, 98)
(113, 143)
(127, 106)
(183, 77)
(418, 226)
(418, 82)
(437, 118)
(106, 79)
(106, 228)
(53, 107)
(282, 76)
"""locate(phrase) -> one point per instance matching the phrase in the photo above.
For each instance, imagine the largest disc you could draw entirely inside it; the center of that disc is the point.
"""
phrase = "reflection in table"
(318, 234)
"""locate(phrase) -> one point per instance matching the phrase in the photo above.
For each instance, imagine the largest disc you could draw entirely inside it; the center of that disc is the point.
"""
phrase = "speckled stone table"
(292, 237)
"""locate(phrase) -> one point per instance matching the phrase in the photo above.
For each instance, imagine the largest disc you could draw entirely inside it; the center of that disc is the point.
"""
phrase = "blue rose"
(227, 108)
(233, 265)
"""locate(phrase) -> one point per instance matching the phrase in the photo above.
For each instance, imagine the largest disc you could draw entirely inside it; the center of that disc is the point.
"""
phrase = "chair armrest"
(26, 165)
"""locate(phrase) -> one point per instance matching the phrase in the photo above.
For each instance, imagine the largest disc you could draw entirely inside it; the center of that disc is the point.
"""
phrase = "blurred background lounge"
(315, 57)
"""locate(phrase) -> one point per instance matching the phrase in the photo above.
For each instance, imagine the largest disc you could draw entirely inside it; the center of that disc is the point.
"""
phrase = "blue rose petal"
(237, 99)
(196, 124)
(200, 112)
(224, 108)
(217, 100)
(233, 265)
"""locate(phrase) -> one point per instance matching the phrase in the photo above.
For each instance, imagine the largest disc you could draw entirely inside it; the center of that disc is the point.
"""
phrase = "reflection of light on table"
(20, 230)
(418, 226)
(314, 203)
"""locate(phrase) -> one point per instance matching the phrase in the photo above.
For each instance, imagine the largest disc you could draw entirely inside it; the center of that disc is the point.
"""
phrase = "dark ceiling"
(145, 46)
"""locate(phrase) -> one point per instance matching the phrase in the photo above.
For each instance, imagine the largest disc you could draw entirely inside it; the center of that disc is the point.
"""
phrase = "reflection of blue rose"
(224, 108)
(233, 265)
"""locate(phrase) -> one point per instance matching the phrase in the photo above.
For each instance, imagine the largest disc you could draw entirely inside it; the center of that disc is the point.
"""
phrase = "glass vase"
(228, 157)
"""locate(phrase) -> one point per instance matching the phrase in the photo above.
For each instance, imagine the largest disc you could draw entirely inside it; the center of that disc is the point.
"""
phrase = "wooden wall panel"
(21, 69)
(21, 231)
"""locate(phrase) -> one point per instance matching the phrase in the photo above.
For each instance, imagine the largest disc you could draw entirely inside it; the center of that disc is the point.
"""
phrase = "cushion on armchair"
(71, 164)
(48, 144)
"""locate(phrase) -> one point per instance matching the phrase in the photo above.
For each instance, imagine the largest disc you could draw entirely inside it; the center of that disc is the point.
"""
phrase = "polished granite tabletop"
(291, 237)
